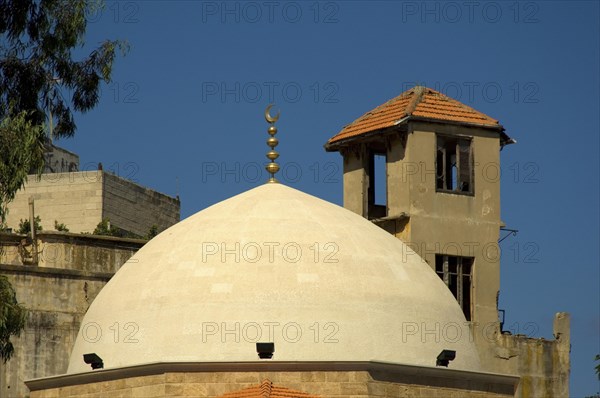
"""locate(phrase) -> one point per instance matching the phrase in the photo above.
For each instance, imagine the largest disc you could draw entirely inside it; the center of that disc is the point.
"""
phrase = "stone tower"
(442, 187)
(437, 162)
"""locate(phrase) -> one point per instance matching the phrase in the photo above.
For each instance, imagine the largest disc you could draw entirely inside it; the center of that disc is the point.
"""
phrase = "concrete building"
(82, 199)
(274, 292)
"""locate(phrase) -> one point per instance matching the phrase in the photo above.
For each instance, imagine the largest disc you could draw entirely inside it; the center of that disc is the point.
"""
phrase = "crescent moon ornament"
(268, 117)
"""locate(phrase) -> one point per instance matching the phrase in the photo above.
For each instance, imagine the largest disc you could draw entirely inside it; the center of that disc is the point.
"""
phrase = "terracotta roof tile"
(419, 101)
(266, 389)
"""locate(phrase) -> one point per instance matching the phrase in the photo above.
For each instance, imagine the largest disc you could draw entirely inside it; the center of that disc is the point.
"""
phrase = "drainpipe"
(34, 252)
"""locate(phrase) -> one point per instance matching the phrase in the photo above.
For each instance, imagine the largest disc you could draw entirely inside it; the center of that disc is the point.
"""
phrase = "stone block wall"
(135, 208)
(81, 200)
(73, 199)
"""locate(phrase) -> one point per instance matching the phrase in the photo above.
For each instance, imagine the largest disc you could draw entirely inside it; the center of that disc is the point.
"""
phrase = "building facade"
(393, 296)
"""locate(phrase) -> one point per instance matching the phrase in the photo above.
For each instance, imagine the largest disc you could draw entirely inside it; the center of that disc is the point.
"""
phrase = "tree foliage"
(25, 225)
(12, 318)
(39, 79)
(105, 228)
(39, 76)
(21, 151)
(60, 226)
(597, 370)
(37, 66)
(152, 232)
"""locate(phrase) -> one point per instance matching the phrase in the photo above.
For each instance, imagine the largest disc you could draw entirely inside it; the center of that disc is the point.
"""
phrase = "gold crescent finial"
(268, 117)
(272, 142)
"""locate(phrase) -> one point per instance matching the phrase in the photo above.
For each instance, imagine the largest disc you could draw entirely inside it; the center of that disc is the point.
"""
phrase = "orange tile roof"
(418, 102)
(266, 389)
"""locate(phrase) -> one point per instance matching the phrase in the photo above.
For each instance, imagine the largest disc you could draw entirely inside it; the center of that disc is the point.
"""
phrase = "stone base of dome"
(357, 379)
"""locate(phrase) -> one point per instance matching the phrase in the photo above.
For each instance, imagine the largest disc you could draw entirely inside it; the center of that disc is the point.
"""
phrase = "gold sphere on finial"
(272, 142)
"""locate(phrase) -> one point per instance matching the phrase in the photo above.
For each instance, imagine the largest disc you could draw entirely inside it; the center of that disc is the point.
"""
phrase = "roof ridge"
(265, 388)
(418, 91)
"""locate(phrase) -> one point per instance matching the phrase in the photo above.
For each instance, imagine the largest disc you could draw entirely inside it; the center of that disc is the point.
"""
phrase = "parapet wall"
(64, 250)
(543, 365)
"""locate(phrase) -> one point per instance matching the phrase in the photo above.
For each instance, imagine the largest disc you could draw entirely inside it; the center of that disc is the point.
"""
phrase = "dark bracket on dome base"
(265, 350)
(94, 360)
(445, 357)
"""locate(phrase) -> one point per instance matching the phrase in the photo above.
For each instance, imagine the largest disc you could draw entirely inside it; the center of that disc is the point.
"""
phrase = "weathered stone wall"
(73, 269)
(355, 384)
(65, 250)
(543, 365)
(81, 200)
(134, 208)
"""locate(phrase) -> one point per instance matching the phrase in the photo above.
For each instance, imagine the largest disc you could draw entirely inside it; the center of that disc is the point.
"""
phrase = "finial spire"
(272, 142)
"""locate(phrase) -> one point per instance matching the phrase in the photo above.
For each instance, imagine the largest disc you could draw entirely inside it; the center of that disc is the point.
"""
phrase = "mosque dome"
(274, 264)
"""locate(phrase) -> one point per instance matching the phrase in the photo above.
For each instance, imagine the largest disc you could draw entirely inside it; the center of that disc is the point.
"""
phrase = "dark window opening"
(380, 180)
(454, 164)
(456, 274)
(377, 192)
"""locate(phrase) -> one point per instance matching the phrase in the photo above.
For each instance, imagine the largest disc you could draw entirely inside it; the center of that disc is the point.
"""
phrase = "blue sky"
(183, 115)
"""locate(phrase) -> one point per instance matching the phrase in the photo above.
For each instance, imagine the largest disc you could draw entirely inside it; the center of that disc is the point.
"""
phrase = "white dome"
(274, 264)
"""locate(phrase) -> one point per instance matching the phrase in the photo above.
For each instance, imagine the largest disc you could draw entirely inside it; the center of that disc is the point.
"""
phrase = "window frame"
(445, 275)
(442, 143)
